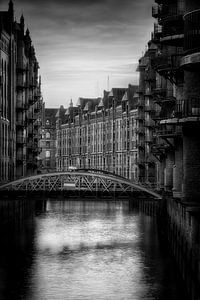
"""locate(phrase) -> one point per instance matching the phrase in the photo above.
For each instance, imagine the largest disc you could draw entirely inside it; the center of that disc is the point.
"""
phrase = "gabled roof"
(125, 97)
(101, 103)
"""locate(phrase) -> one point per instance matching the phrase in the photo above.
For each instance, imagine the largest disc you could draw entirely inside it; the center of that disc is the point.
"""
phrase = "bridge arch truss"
(80, 180)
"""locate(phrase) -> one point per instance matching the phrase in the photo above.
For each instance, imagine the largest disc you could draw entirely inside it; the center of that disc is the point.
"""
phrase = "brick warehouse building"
(20, 99)
(47, 143)
(100, 133)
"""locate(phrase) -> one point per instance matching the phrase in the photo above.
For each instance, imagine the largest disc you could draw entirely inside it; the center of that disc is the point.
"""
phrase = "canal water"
(86, 250)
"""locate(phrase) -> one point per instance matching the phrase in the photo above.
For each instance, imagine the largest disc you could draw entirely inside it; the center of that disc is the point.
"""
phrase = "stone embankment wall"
(15, 210)
(179, 227)
(183, 234)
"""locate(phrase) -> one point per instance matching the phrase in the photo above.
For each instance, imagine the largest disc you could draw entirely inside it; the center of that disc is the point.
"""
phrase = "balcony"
(165, 63)
(169, 133)
(192, 32)
(157, 33)
(159, 149)
(188, 108)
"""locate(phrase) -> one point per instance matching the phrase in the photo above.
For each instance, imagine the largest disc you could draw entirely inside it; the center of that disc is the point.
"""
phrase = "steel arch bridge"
(81, 180)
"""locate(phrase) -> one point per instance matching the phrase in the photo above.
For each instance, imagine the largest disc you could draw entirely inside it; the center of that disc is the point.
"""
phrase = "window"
(48, 154)
(48, 163)
(47, 122)
(47, 144)
(48, 135)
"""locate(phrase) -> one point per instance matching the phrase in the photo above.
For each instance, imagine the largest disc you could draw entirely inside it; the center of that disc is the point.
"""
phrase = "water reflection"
(87, 250)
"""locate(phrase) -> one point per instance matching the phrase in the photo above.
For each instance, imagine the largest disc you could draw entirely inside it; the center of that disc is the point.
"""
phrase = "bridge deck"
(91, 180)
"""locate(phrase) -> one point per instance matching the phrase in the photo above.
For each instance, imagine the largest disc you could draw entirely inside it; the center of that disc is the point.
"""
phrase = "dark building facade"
(20, 99)
(169, 101)
(47, 156)
(175, 97)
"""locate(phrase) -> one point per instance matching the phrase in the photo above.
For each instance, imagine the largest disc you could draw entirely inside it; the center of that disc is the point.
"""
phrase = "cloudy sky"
(79, 43)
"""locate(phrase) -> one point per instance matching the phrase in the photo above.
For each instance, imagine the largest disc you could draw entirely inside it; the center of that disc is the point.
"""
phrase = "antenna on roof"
(108, 83)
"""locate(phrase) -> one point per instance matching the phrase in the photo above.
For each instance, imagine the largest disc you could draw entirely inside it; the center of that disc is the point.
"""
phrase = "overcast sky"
(79, 43)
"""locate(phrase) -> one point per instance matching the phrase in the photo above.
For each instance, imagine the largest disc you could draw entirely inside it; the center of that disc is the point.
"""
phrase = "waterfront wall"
(14, 210)
(179, 228)
(183, 235)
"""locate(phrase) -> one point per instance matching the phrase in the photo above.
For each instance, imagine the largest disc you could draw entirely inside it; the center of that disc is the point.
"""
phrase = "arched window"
(48, 154)
(48, 135)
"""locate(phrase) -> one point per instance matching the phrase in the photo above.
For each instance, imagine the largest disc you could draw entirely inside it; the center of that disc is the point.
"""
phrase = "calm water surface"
(86, 250)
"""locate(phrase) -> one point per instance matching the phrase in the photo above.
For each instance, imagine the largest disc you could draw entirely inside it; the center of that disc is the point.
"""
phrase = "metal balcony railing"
(167, 62)
(157, 33)
(188, 108)
(192, 32)
(173, 30)
(170, 133)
